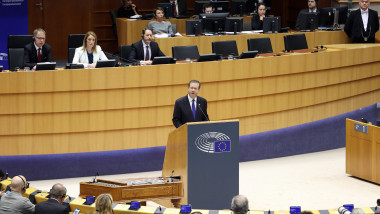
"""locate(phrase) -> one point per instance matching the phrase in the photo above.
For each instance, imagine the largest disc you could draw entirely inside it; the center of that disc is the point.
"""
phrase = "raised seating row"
(37, 196)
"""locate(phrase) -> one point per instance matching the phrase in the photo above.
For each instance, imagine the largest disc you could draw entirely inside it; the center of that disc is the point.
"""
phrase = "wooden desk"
(204, 42)
(87, 110)
(362, 150)
(129, 31)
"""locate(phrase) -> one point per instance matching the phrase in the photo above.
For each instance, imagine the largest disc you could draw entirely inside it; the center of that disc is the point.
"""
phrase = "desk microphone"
(94, 179)
(121, 58)
(199, 105)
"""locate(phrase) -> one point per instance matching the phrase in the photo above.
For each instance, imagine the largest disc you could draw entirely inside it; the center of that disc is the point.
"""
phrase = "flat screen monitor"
(193, 27)
(105, 63)
(168, 9)
(44, 66)
(272, 24)
(220, 6)
(234, 24)
(238, 7)
(213, 22)
(326, 16)
(343, 14)
(309, 21)
(248, 54)
(159, 60)
(198, 7)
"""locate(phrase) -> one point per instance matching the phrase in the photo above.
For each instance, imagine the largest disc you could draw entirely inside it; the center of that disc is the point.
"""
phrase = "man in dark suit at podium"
(190, 108)
(362, 24)
(145, 50)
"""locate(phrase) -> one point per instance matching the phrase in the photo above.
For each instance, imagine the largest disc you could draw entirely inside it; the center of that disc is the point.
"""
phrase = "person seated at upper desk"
(257, 19)
(160, 26)
(145, 50)
(312, 8)
(180, 7)
(37, 51)
(362, 24)
(90, 52)
(207, 9)
(127, 9)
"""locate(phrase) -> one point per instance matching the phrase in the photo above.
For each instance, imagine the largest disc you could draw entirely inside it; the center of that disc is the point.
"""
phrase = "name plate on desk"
(361, 128)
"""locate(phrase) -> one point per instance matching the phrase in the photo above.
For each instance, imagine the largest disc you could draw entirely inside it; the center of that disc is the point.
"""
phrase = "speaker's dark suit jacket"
(354, 27)
(30, 54)
(137, 52)
(182, 7)
(52, 206)
(183, 113)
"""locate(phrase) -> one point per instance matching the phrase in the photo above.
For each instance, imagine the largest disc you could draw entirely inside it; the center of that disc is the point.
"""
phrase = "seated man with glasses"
(55, 203)
(37, 51)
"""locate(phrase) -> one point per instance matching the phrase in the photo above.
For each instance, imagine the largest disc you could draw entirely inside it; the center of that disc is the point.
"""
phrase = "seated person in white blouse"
(160, 25)
(90, 52)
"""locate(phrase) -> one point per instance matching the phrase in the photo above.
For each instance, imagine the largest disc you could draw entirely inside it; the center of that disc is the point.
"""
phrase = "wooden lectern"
(206, 157)
(363, 150)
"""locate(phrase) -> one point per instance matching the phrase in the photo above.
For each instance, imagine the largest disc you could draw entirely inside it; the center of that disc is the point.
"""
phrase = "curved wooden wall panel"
(131, 107)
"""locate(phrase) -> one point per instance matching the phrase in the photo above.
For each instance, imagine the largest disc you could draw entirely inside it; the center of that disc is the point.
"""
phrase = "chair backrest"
(262, 45)
(247, 26)
(125, 50)
(74, 41)
(183, 52)
(113, 14)
(71, 55)
(225, 48)
(16, 45)
(295, 42)
(174, 28)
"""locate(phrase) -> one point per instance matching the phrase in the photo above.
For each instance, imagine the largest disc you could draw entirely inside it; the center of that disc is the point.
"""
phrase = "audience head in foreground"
(103, 204)
(239, 204)
(55, 203)
(14, 202)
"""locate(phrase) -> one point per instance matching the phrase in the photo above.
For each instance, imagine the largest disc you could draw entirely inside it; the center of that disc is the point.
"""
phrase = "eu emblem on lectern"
(213, 142)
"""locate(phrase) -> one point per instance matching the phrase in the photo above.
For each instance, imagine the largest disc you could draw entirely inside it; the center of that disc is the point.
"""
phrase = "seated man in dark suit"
(180, 7)
(55, 202)
(37, 51)
(312, 4)
(362, 24)
(190, 108)
(145, 50)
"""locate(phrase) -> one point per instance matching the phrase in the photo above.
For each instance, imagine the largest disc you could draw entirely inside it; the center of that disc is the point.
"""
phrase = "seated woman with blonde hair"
(103, 204)
(90, 52)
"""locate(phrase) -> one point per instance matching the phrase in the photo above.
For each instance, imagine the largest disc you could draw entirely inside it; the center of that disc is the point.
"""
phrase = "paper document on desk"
(161, 35)
(252, 32)
(136, 17)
